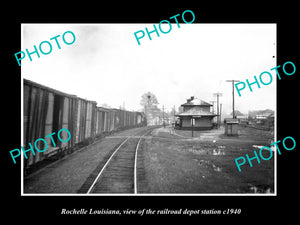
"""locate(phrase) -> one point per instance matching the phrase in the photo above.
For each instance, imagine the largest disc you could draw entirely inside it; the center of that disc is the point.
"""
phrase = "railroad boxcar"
(46, 110)
(102, 121)
(118, 119)
(141, 119)
(85, 121)
(110, 120)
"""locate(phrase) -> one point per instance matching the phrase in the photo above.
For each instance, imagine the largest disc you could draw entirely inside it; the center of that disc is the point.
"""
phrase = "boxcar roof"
(87, 100)
(34, 84)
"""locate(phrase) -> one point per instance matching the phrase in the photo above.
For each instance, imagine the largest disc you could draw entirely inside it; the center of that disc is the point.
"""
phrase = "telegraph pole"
(148, 109)
(218, 112)
(232, 81)
(213, 111)
(174, 115)
(163, 116)
(192, 126)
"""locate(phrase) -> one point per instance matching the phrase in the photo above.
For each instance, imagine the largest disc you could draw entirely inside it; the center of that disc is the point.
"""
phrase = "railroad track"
(118, 172)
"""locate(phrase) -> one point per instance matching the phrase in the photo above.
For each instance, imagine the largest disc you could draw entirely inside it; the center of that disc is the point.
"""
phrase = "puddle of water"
(257, 146)
(216, 168)
(260, 189)
(273, 148)
(201, 161)
(219, 151)
(198, 151)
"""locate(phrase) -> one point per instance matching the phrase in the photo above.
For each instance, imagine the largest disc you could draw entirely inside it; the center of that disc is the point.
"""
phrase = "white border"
(156, 194)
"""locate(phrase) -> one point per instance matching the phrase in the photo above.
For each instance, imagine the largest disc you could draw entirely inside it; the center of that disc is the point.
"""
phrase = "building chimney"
(190, 99)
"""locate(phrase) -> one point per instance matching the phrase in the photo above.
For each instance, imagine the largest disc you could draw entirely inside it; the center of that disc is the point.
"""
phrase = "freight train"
(47, 110)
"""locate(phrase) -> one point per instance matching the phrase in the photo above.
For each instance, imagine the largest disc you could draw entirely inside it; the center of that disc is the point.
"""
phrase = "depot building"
(195, 115)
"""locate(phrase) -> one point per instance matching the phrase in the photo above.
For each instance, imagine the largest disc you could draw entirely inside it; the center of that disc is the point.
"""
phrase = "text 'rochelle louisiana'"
(140, 34)
(45, 47)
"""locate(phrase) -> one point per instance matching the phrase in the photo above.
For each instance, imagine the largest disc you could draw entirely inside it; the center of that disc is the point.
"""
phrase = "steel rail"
(107, 162)
(103, 168)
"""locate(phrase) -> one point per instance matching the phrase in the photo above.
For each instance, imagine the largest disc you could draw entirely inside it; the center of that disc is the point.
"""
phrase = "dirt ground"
(68, 174)
(170, 161)
(176, 163)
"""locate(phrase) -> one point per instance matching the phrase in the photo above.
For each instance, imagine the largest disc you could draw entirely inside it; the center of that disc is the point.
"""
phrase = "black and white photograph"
(171, 108)
(150, 111)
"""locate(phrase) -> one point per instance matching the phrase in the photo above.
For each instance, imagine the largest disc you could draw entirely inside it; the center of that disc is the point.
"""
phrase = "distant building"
(243, 119)
(261, 114)
(264, 115)
(239, 115)
(195, 115)
(265, 119)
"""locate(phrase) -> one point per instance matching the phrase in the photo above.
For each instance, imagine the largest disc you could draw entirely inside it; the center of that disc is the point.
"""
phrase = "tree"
(148, 100)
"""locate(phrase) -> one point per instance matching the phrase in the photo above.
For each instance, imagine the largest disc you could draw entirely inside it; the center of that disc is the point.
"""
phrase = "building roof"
(265, 114)
(196, 102)
(196, 112)
(237, 113)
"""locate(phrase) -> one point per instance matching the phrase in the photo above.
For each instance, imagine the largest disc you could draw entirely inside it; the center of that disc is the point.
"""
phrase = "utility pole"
(148, 109)
(174, 115)
(213, 111)
(163, 116)
(192, 120)
(218, 112)
(232, 81)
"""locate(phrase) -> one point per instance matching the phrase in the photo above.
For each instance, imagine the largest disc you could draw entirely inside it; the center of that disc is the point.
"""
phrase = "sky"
(105, 63)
